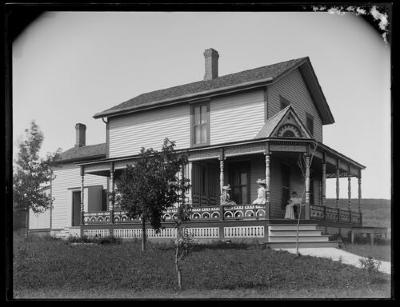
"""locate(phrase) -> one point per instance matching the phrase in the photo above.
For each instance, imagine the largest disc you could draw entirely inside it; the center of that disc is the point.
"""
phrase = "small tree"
(30, 173)
(150, 185)
(183, 238)
(302, 164)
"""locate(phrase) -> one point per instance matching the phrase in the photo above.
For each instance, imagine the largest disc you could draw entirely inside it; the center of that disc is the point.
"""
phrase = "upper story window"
(284, 102)
(310, 123)
(200, 120)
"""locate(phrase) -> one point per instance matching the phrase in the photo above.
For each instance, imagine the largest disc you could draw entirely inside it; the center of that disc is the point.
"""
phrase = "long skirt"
(289, 214)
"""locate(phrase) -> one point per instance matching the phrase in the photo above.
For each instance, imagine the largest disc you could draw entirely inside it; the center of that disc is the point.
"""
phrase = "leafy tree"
(31, 173)
(150, 185)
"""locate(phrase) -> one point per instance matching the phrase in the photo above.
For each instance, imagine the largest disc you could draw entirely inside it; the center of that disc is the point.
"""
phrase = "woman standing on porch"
(293, 201)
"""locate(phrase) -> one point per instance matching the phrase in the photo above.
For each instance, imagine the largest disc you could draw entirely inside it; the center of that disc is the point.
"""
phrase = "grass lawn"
(380, 252)
(53, 268)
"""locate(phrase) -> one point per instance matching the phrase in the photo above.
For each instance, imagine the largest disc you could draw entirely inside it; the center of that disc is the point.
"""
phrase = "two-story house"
(262, 123)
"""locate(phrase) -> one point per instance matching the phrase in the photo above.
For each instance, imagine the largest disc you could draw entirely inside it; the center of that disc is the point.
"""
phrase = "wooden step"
(292, 227)
(302, 233)
(302, 244)
(301, 239)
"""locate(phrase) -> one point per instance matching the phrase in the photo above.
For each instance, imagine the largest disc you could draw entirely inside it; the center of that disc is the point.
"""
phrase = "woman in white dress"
(260, 193)
(293, 201)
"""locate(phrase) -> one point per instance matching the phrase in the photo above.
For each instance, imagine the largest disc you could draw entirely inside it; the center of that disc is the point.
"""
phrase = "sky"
(67, 66)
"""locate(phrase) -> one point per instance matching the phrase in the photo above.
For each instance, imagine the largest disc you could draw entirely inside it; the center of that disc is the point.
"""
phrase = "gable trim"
(296, 118)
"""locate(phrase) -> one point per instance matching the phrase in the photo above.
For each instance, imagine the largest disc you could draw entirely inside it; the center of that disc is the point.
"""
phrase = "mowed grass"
(378, 251)
(53, 268)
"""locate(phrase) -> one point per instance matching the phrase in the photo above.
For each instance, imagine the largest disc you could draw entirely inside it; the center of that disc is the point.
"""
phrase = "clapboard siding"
(147, 129)
(67, 177)
(39, 220)
(293, 88)
(236, 117)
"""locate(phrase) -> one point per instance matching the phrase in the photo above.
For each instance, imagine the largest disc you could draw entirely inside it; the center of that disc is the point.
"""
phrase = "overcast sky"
(67, 66)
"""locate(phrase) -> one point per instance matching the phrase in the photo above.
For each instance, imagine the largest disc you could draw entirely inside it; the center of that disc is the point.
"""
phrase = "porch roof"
(231, 149)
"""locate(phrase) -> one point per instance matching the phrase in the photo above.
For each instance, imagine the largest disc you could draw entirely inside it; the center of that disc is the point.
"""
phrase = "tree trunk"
(178, 269)
(143, 234)
(27, 223)
(177, 255)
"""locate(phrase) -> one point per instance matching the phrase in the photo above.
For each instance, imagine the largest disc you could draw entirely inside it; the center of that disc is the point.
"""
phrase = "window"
(239, 178)
(310, 123)
(200, 125)
(284, 102)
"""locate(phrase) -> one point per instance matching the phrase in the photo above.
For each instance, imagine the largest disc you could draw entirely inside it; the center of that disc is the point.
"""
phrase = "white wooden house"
(236, 129)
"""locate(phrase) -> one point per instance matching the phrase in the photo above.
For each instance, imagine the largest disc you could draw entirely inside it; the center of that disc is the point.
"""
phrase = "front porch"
(240, 165)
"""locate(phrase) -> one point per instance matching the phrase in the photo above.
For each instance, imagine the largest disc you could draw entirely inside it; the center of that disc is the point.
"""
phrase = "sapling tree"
(303, 163)
(150, 185)
(183, 238)
(31, 173)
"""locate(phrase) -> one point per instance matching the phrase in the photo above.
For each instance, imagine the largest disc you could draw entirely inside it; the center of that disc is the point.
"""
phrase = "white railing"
(244, 232)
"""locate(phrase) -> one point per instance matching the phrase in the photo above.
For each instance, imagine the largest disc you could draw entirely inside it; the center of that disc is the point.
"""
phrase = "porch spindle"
(307, 184)
(82, 199)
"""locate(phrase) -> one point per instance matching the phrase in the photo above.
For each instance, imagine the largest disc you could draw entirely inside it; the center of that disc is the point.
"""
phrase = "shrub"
(370, 264)
(97, 240)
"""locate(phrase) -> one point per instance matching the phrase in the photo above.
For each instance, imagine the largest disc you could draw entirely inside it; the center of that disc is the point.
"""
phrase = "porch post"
(112, 198)
(323, 183)
(349, 191)
(221, 180)
(82, 199)
(267, 183)
(189, 175)
(359, 191)
(337, 183)
(307, 184)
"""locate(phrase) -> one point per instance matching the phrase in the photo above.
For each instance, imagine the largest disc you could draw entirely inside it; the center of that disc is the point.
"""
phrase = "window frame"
(310, 117)
(193, 124)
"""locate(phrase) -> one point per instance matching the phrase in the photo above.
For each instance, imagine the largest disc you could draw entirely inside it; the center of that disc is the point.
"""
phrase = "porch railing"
(335, 215)
(237, 212)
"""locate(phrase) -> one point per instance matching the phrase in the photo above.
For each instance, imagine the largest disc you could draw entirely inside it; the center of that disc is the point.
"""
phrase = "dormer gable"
(284, 124)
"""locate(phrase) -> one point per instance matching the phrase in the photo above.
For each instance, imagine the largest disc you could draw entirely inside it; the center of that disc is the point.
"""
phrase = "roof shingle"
(152, 98)
(83, 153)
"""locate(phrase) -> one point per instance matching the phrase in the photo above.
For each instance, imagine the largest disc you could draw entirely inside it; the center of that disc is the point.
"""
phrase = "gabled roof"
(89, 152)
(269, 72)
(272, 124)
(237, 81)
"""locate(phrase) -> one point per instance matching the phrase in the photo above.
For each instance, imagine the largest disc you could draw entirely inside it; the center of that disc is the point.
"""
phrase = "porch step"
(302, 233)
(301, 239)
(277, 245)
(293, 227)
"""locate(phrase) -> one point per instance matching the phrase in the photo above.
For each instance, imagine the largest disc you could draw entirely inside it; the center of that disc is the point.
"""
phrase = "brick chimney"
(211, 59)
(80, 135)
